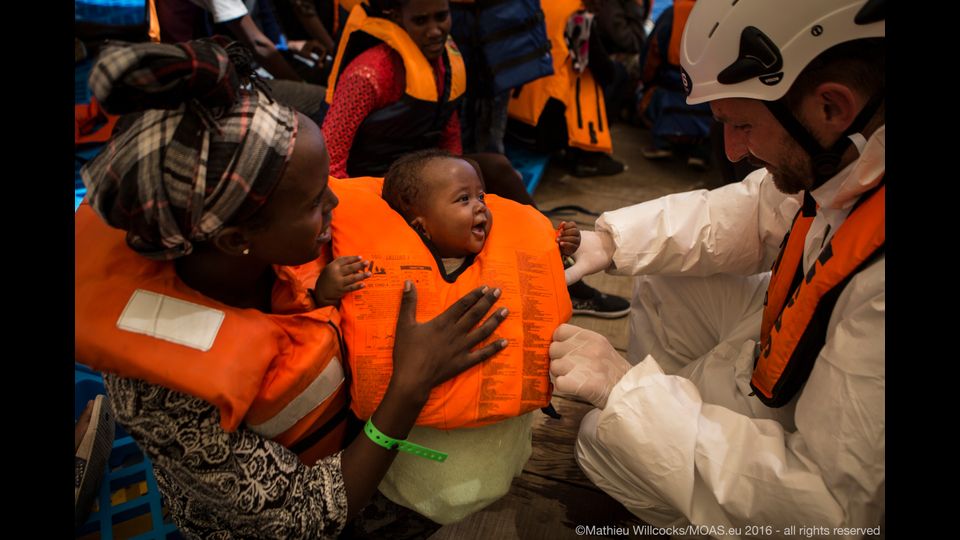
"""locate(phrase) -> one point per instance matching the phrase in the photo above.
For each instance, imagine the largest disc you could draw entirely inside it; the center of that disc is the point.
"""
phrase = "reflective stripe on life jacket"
(281, 375)
(798, 306)
(520, 256)
(416, 120)
(586, 111)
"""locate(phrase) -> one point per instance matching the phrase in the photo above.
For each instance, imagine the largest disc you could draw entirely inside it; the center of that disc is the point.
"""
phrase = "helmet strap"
(826, 161)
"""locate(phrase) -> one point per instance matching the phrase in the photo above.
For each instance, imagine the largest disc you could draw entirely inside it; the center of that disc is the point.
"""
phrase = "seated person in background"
(675, 126)
(442, 238)
(183, 20)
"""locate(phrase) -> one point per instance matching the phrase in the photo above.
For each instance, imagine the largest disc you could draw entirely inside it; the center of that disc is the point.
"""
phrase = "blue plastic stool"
(530, 164)
(127, 467)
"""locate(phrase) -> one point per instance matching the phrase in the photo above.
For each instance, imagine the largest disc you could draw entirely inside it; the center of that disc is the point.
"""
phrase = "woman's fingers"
(453, 313)
(484, 331)
(352, 267)
(349, 279)
(408, 305)
(483, 353)
(478, 310)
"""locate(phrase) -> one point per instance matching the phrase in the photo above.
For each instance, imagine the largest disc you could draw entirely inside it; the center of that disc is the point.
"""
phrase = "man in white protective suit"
(752, 399)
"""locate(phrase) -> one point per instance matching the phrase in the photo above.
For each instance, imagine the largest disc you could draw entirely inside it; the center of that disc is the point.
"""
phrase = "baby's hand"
(568, 236)
(342, 275)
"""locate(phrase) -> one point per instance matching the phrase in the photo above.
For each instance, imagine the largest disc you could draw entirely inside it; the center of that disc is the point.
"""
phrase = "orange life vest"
(415, 121)
(681, 12)
(281, 375)
(797, 307)
(586, 112)
(520, 256)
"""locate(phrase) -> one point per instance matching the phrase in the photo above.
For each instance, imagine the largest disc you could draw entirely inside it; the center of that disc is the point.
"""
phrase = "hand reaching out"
(568, 236)
(342, 275)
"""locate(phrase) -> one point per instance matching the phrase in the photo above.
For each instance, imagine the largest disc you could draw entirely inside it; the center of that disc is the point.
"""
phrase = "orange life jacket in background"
(415, 121)
(281, 375)
(586, 111)
(520, 257)
(797, 307)
(681, 12)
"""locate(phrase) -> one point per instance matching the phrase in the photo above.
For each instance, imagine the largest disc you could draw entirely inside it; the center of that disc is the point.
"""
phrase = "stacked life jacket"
(585, 109)
(279, 374)
(508, 38)
(798, 306)
(664, 96)
(520, 256)
(416, 120)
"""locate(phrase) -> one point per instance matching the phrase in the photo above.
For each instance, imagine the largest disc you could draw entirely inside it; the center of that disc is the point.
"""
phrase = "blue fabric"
(112, 12)
(531, 165)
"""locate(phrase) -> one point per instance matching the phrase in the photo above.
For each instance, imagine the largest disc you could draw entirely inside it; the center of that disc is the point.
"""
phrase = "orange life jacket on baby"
(586, 112)
(520, 256)
(797, 307)
(280, 374)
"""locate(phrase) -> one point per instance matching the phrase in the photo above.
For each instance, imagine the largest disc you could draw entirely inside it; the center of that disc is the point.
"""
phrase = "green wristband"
(390, 443)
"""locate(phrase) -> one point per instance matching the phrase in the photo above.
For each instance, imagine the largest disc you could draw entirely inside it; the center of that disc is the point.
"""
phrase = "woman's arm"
(373, 80)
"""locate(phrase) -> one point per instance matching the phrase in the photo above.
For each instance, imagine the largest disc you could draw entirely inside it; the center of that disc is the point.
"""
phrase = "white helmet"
(756, 48)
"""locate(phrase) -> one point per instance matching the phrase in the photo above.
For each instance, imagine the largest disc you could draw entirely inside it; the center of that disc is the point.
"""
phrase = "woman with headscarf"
(200, 308)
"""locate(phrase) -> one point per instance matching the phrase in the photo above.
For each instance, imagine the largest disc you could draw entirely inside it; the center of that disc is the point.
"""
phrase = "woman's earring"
(246, 251)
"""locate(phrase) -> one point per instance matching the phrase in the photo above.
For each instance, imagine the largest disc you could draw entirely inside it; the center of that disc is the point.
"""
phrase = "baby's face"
(454, 216)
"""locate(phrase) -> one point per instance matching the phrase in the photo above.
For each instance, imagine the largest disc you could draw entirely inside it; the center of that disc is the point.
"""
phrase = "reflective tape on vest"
(329, 380)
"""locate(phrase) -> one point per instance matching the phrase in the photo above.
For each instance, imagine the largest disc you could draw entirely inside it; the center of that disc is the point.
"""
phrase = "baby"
(441, 197)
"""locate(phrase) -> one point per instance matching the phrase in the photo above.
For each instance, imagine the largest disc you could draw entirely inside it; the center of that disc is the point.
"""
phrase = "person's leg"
(500, 178)
(704, 329)
(492, 123)
(614, 478)
(304, 97)
(678, 319)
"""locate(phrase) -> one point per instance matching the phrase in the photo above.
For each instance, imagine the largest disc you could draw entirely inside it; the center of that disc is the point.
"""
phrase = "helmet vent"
(714, 29)
(759, 56)
(873, 11)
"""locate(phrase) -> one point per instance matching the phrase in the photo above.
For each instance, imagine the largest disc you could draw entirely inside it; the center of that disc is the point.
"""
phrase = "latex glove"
(584, 365)
(594, 254)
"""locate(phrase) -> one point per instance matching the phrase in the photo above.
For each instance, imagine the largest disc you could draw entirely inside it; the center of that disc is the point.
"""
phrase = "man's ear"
(232, 241)
(418, 225)
(837, 107)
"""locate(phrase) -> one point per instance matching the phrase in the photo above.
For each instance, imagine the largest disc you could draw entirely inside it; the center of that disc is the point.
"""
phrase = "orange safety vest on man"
(797, 307)
(279, 374)
(520, 257)
(586, 111)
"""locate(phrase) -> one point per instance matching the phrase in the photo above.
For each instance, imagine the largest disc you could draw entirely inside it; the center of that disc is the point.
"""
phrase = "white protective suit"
(680, 440)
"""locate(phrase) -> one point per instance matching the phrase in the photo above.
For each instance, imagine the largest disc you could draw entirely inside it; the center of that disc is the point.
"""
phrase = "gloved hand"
(584, 365)
(594, 254)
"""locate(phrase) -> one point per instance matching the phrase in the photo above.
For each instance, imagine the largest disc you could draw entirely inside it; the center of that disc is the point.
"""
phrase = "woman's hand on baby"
(429, 353)
(568, 236)
(340, 276)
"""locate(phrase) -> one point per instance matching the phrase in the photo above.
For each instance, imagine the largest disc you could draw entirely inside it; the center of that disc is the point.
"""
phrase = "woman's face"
(428, 24)
(297, 216)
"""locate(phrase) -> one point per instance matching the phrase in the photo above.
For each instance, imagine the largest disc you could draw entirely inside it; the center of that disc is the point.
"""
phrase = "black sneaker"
(589, 301)
(587, 164)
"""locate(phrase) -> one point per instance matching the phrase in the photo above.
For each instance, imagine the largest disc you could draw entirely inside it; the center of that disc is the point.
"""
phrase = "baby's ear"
(417, 224)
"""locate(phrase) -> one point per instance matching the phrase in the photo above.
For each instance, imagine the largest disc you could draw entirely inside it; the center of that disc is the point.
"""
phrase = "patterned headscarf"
(207, 147)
